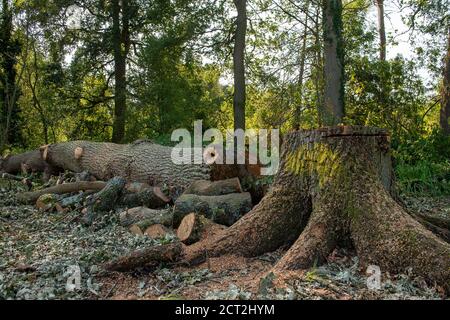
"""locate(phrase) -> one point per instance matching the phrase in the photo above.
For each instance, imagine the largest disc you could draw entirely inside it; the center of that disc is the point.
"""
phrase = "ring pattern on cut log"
(334, 186)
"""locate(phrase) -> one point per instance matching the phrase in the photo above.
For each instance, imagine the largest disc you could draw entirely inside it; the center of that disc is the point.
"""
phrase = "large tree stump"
(333, 188)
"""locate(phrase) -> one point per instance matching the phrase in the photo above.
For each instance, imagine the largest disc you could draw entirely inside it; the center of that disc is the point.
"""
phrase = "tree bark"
(239, 95)
(141, 161)
(224, 209)
(31, 197)
(214, 188)
(332, 112)
(30, 160)
(104, 200)
(330, 191)
(9, 89)
(145, 217)
(298, 109)
(381, 28)
(151, 197)
(146, 257)
(444, 118)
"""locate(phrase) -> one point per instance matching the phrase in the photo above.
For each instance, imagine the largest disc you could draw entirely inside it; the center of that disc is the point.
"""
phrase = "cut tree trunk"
(32, 196)
(151, 197)
(145, 217)
(157, 231)
(24, 181)
(141, 161)
(104, 200)
(146, 257)
(30, 162)
(330, 191)
(225, 209)
(191, 228)
(214, 188)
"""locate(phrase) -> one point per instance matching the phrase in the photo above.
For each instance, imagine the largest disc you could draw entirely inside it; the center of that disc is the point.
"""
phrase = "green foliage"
(423, 165)
(424, 178)
(179, 70)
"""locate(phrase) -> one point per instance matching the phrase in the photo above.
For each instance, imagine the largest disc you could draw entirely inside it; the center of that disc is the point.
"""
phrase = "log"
(104, 200)
(136, 186)
(29, 161)
(156, 231)
(151, 197)
(134, 229)
(47, 201)
(27, 182)
(224, 209)
(146, 257)
(31, 197)
(142, 161)
(146, 217)
(191, 228)
(75, 200)
(214, 188)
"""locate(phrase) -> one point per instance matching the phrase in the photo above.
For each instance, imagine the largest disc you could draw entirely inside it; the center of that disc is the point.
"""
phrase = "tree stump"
(334, 188)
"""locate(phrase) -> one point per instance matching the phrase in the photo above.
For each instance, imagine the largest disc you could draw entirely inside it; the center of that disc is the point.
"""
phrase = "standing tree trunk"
(239, 65)
(121, 45)
(381, 28)
(9, 90)
(332, 112)
(445, 93)
(298, 109)
(333, 189)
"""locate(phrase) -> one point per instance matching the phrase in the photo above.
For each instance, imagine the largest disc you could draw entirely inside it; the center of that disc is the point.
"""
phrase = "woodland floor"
(37, 248)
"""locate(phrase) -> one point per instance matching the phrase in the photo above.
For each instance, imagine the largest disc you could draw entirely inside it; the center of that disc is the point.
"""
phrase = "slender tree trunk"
(445, 93)
(381, 28)
(10, 48)
(121, 47)
(239, 65)
(333, 109)
(302, 69)
(318, 67)
(36, 103)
